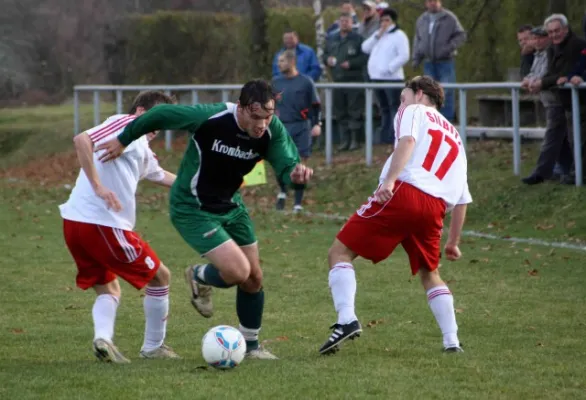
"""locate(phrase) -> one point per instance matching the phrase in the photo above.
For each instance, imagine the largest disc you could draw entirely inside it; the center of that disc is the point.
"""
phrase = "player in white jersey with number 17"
(98, 223)
(425, 177)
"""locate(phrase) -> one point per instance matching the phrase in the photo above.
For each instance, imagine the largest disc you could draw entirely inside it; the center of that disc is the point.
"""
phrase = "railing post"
(96, 108)
(328, 126)
(194, 97)
(118, 101)
(516, 133)
(75, 111)
(368, 117)
(168, 134)
(225, 96)
(577, 135)
(463, 115)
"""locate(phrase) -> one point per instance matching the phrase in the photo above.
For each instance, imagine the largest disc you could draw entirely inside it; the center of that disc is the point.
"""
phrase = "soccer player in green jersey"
(226, 140)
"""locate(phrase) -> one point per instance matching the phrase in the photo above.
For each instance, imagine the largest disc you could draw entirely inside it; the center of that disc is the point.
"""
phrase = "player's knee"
(162, 277)
(254, 282)
(430, 279)
(111, 288)
(338, 253)
(238, 273)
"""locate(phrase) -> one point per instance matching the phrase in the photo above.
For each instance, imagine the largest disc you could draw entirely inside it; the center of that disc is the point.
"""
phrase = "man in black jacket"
(563, 56)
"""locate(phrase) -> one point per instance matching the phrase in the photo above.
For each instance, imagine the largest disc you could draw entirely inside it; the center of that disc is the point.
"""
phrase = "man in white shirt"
(425, 177)
(389, 51)
(98, 223)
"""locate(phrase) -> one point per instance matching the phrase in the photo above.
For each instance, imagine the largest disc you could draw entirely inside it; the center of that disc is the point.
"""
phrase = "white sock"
(441, 302)
(343, 286)
(250, 335)
(104, 315)
(156, 311)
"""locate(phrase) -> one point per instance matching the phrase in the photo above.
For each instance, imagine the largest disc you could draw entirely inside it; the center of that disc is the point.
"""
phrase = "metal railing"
(463, 89)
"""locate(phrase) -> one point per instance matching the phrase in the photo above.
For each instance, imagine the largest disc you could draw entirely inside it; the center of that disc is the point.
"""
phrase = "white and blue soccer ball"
(223, 347)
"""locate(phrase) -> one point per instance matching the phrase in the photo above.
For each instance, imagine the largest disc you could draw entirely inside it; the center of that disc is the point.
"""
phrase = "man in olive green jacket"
(345, 60)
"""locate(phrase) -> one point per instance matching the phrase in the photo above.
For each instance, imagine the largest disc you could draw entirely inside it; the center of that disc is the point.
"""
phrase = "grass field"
(520, 308)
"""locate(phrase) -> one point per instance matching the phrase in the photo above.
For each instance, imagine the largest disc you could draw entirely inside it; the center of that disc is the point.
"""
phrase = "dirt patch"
(49, 171)
(63, 168)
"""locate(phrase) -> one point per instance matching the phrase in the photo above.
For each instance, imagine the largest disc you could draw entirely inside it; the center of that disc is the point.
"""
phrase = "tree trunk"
(320, 36)
(260, 47)
(558, 7)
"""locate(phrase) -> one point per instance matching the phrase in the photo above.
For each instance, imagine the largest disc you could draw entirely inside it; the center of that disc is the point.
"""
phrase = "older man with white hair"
(563, 55)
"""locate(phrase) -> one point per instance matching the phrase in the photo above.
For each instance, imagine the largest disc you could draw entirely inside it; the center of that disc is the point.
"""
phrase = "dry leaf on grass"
(17, 331)
(277, 339)
(544, 227)
(375, 322)
(533, 272)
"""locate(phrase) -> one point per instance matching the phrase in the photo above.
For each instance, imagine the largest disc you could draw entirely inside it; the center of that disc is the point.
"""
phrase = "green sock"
(208, 274)
(249, 307)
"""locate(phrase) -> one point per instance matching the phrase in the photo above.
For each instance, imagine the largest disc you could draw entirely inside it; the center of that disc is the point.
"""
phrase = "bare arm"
(167, 180)
(85, 154)
(456, 224)
(401, 156)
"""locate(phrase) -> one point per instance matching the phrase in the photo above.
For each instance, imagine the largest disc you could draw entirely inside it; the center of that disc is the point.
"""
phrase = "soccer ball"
(223, 347)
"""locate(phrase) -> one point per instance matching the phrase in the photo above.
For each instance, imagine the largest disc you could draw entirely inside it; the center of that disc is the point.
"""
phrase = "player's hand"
(525, 83)
(112, 149)
(345, 65)
(315, 131)
(109, 197)
(301, 174)
(331, 61)
(562, 80)
(576, 80)
(452, 252)
(384, 192)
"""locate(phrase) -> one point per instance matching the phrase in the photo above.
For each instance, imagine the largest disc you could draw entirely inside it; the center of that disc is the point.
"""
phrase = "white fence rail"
(463, 89)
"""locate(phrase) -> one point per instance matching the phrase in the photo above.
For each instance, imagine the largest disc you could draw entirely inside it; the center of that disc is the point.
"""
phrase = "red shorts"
(103, 253)
(411, 218)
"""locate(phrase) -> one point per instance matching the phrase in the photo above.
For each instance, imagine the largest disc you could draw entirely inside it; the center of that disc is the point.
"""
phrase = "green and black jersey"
(219, 154)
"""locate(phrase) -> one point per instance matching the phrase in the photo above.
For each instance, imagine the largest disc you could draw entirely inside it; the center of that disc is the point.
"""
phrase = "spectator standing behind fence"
(370, 20)
(299, 109)
(438, 35)
(388, 51)
(344, 57)
(346, 8)
(307, 62)
(555, 145)
(527, 50)
(563, 56)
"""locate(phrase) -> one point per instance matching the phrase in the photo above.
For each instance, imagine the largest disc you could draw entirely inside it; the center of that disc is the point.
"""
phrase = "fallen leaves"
(375, 322)
(277, 339)
(533, 272)
(17, 331)
(544, 227)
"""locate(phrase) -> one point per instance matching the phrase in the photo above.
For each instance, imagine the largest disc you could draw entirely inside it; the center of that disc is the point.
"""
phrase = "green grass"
(520, 308)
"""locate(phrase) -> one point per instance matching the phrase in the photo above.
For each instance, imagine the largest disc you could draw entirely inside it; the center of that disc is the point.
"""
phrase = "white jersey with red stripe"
(121, 176)
(438, 165)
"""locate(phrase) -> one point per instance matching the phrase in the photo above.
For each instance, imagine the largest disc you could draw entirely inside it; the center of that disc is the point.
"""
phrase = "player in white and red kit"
(98, 223)
(425, 177)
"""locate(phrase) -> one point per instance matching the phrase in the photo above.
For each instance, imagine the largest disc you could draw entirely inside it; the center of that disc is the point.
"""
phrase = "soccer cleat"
(281, 199)
(201, 295)
(260, 353)
(107, 352)
(455, 349)
(163, 352)
(297, 208)
(340, 334)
